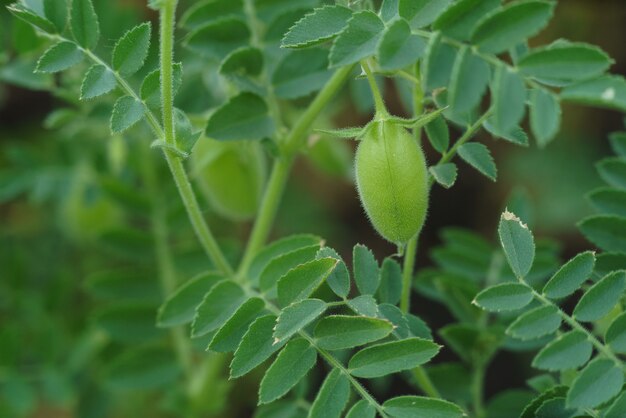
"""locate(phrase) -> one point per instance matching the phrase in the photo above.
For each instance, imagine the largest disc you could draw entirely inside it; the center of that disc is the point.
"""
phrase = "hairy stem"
(379, 103)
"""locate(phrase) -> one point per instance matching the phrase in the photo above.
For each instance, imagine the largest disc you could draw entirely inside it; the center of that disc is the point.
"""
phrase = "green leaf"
(186, 135)
(300, 282)
(337, 332)
(606, 91)
(615, 335)
(366, 271)
(359, 40)
(444, 174)
(460, 19)
(150, 90)
(122, 284)
(219, 38)
(613, 171)
(84, 23)
(99, 80)
(143, 368)
(290, 366)
(393, 314)
(517, 242)
(127, 111)
(437, 64)
(364, 305)
(280, 265)
(362, 409)
(421, 407)
(228, 337)
(276, 249)
(545, 115)
(568, 351)
(606, 231)
(478, 156)
(217, 307)
(256, 346)
(131, 49)
(515, 135)
(56, 11)
(245, 116)
(504, 297)
(511, 24)
(618, 143)
(339, 278)
(316, 27)
(353, 132)
(438, 134)
(600, 381)
(508, 99)
(332, 397)
(24, 13)
(300, 73)
(59, 57)
(392, 357)
(202, 12)
(535, 323)
(297, 316)
(468, 81)
(571, 276)
(421, 13)
(617, 408)
(398, 47)
(390, 288)
(608, 200)
(244, 61)
(180, 307)
(601, 297)
(128, 323)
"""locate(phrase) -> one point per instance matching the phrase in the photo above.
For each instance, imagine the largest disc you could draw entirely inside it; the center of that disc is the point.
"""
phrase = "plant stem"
(418, 101)
(282, 165)
(379, 103)
(407, 274)
(478, 379)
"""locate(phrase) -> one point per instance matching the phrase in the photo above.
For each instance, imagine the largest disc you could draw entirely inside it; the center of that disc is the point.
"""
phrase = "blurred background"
(74, 214)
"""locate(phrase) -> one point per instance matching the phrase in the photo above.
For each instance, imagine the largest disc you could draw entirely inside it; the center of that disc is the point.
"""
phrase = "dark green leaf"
(300, 73)
(601, 297)
(569, 351)
(398, 47)
(300, 282)
(281, 264)
(478, 156)
(151, 85)
(244, 116)
(600, 381)
(359, 40)
(545, 115)
(460, 19)
(444, 174)
(228, 337)
(366, 271)
(468, 81)
(332, 397)
(508, 99)
(256, 346)
(438, 61)
(340, 331)
(421, 407)
(517, 242)
(613, 171)
(616, 334)
(339, 278)
(318, 26)
(143, 369)
(504, 297)
(421, 13)
(56, 11)
(217, 307)
(277, 248)
(59, 57)
(390, 287)
(438, 134)
(364, 305)
(535, 323)
(606, 231)
(203, 12)
(219, 38)
(571, 276)
(362, 409)
(610, 201)
(84, 23)
(297, 316)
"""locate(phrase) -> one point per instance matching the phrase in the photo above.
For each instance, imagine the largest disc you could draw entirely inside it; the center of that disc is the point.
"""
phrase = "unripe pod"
(231, 175)
(392, 179)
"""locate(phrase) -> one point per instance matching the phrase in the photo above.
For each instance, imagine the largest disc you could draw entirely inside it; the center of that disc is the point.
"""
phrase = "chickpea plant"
(292, 304)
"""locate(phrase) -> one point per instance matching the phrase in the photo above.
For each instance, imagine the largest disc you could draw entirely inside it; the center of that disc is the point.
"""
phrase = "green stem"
(418, 101)
(407, 274)
(478, 380)
(379, 103)
(280, 171)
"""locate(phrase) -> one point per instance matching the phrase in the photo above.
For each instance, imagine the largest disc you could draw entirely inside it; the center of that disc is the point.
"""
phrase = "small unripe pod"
(392, 179)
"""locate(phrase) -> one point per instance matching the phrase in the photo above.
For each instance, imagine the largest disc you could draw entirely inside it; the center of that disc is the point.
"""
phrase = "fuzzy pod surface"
(391, 178)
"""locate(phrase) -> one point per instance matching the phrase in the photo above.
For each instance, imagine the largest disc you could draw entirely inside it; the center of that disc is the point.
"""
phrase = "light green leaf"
(460, 19)
(568, 351)
(84, 23)
(332, 397)
(24, 13)
(535, 323)
(217, 307)
(202, 12)
(56, 11)
(362, 409)
(131, 49)
(508, 99)
(571, 276)
(437, 63)
(228, 337)
(151, 86)
(337, 332)
(300, 73)
(444, 174)
(59, 57)
(468, 81)
(517, 242)
(613, 171)
(127, 111)
(421, 13)
(600, 299)
(99, 80)
(290, 366)
(320, 25)
(276, 249)
(608, 200)
(421, 407)
(280, 265)
(245, 116)
(398, 47)
(390, 288)
(297, 316)
(219, 38)
(339, 278)
(606, 231)
(438, 134)
(504, 297)
(616, 334)
(478, 156)
(180, 307)
(359, 40)
(564, 60)
(392, 357)
(511, 24)
(545, 115)
(364, 305)
(600, 381)
(366, 271)
(256, 346)
(606, 91)
(300, 282)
